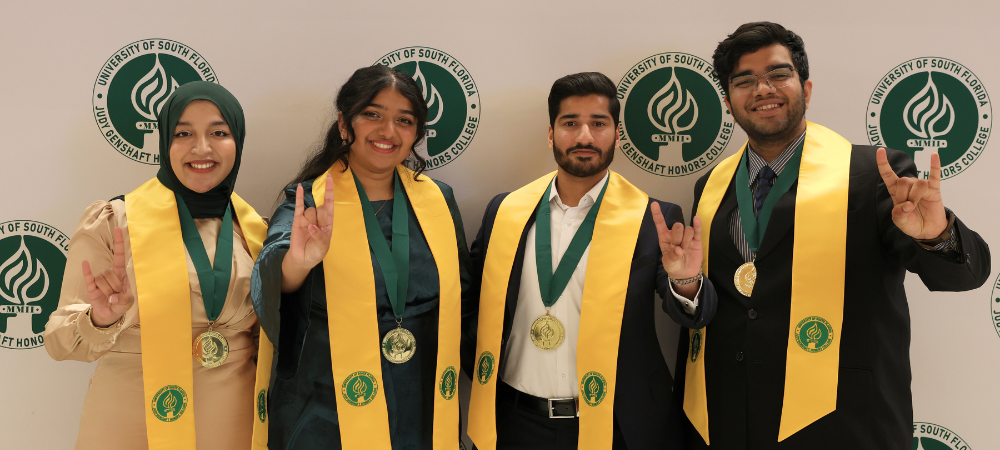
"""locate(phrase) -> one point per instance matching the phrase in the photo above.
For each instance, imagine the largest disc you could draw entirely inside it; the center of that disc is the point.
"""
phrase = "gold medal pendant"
(211, 349)
(745, 277)
(547, 332)
(399, 345)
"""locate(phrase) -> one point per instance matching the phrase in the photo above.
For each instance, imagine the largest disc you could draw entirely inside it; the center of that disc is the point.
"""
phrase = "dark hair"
(354, 96)
(579, 85)
(754, 36)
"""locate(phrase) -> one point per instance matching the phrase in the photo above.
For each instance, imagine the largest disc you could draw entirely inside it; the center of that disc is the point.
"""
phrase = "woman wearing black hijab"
(174, 256)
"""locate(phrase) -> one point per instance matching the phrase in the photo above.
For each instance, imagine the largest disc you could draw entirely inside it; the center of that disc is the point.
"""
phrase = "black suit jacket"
(646, 411)
(745, 352)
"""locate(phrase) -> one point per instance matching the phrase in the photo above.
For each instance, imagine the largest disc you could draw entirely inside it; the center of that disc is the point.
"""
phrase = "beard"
(587, 166)
(774, 132)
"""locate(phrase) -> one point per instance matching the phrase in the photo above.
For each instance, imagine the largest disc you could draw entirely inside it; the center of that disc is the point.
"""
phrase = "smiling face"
(583, 138)
(202, 151)
(765, 113)
(384, 133)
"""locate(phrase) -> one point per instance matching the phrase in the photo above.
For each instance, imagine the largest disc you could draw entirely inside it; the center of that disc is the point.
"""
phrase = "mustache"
(586, 147)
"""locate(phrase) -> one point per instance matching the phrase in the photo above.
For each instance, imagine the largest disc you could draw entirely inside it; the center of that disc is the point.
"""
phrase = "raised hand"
(680, 245)
(310, 240)
(917, 207)
(109, 292)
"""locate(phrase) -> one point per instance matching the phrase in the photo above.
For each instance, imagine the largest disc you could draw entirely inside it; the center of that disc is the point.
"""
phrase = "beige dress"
(114, 411)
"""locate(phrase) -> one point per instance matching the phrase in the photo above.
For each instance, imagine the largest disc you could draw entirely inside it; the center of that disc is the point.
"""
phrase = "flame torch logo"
(593, 388)
(133, 86)
(667, 107)
(452, 98)
(931, 105)
(448, 385)
(169, 403)
(359, 388)
(32, 260)
(674, 122)
(814, 334)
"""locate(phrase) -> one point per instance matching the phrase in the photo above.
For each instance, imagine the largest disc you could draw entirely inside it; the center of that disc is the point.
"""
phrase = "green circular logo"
(484, 368)
(449, 383)
(32, 262)
(262, 405)
(674, 122)
(169, 403)
(929, 436)
(995, 305)
(814, 334)
(360, 388)
(593, 388)
(695, 345)
(931, 105)
(133, 85)
(452, 96)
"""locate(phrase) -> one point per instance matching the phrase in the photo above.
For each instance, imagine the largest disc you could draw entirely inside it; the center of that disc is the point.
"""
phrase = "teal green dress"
(302, 402)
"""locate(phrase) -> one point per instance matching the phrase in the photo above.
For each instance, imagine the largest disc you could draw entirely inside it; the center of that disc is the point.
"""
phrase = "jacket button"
(739, 356)
(752, 314)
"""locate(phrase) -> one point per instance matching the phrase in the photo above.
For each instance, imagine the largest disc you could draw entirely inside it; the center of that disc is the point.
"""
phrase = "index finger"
(934, 180)
(662, 230)
(884, 169)
(119, 253)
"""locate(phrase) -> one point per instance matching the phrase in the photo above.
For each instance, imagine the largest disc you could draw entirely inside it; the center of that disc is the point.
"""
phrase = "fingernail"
(113, 299)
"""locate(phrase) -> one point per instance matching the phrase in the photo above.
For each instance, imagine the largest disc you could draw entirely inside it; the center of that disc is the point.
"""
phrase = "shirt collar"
(588, 199)
(755, 163)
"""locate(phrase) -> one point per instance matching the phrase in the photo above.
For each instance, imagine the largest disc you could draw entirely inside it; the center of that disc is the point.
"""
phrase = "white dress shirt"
(529, 369)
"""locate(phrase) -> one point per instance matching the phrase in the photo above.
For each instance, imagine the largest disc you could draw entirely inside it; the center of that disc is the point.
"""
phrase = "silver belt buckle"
(576, 404)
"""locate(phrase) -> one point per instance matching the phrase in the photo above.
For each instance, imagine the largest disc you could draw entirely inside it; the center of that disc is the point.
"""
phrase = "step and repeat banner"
(83, 83)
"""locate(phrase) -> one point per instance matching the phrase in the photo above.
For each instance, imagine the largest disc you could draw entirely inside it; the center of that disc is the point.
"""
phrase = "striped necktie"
(765, 179)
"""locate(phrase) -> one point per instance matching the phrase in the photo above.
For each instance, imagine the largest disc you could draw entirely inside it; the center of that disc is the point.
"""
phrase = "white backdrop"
(285, 61)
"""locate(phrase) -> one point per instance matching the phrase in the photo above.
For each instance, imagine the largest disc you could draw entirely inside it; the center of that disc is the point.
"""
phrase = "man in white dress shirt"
(567, 357)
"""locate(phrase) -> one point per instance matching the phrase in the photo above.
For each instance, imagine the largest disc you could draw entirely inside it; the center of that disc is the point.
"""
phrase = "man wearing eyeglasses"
(807, 239)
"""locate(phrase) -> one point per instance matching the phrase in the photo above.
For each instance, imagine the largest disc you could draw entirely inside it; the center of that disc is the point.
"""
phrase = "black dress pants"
(523, 429)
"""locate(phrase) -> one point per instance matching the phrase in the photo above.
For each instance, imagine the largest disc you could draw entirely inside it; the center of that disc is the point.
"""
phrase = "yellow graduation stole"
(353, 318)
(817, 311)
(164, 294)
(615, 234)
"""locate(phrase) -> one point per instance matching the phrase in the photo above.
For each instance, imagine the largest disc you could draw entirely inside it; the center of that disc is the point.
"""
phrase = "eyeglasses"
(777, 78)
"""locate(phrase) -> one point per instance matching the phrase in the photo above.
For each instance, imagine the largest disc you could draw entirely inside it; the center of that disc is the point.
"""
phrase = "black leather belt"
(553, 408)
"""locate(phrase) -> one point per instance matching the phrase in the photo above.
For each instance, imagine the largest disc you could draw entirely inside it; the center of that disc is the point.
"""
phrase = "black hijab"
(212, 203)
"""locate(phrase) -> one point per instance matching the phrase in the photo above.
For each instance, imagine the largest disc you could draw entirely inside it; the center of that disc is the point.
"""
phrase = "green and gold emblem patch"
(695, 345)
(484, 368)
(360, 388)
(262, 405)
(593, 388)
(814, 334)
(449, 383)
(169, 403)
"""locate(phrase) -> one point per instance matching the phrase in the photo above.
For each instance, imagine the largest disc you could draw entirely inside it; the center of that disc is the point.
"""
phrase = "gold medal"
(211, 349)
(547, 332)
(745, 278)
(399, 345)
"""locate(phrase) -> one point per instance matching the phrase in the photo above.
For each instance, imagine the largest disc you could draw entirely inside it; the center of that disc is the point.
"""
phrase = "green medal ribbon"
(214, 280)
(552, 285)
(754, 227)
(395, 265)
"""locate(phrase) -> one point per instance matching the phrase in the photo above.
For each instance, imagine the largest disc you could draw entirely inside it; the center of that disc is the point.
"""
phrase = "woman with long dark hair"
(360, 281)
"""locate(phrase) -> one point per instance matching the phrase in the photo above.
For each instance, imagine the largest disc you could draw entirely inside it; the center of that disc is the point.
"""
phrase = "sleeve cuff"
(689, 306)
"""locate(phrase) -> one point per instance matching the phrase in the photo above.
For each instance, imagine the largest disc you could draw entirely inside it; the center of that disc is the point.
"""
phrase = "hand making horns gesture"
(310, 240)
(681, 246)
(917, 207)
(109, 292)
